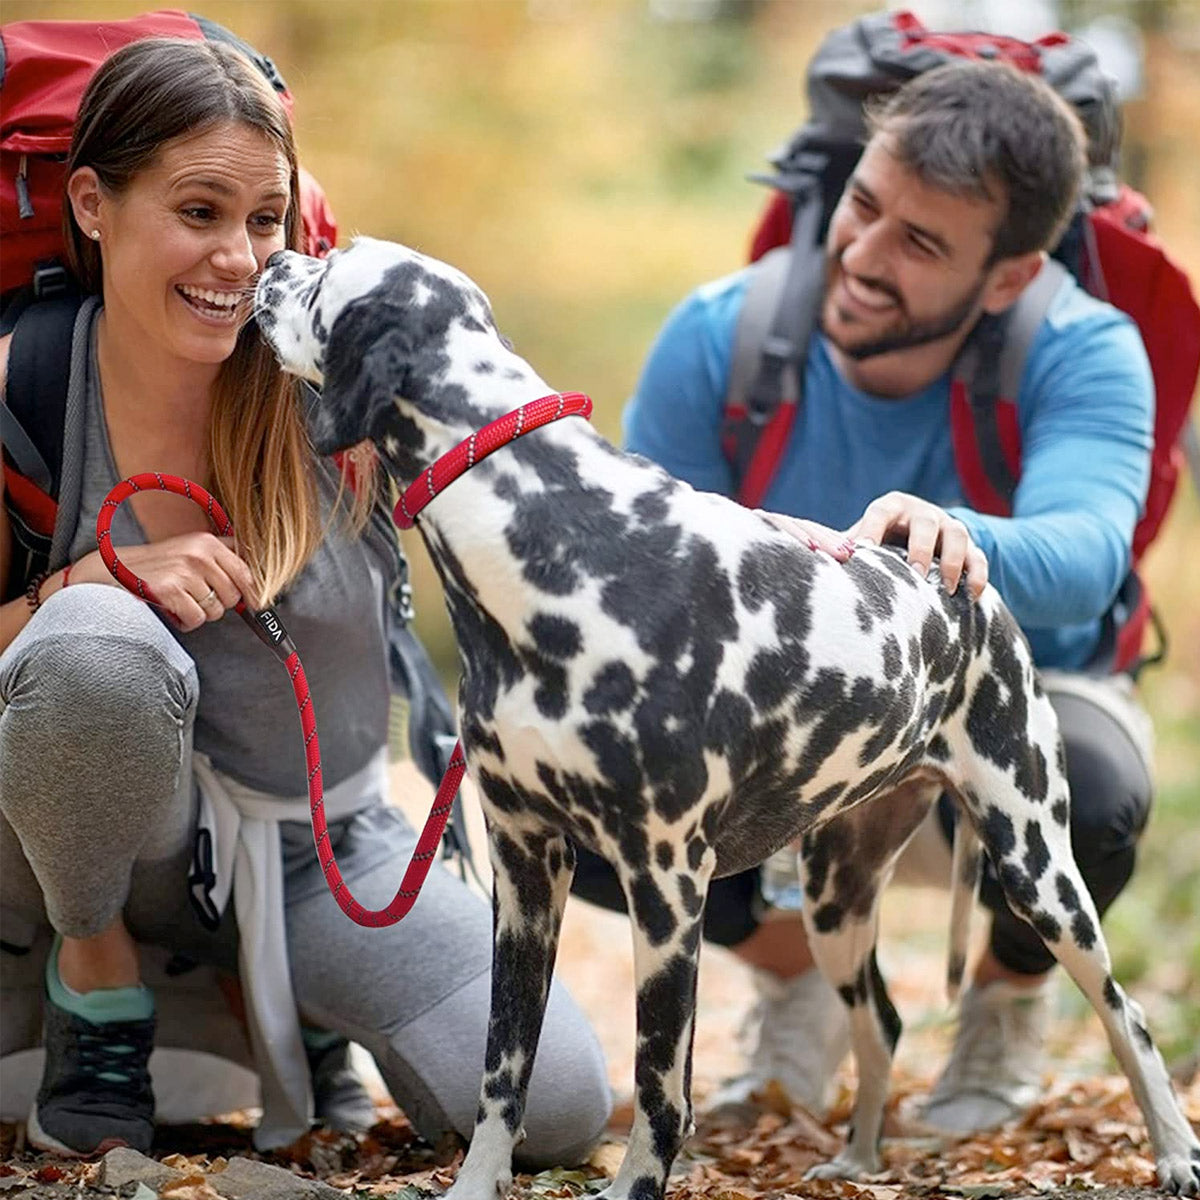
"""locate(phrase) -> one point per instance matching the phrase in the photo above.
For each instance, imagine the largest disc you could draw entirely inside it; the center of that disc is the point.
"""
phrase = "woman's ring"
(212, 595)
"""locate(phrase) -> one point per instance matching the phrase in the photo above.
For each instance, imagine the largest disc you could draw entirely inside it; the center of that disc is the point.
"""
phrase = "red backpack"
(1107, 247)
(45, 66)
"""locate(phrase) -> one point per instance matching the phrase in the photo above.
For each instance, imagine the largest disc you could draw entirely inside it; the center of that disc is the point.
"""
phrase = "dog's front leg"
(532, 876)
(667, 908)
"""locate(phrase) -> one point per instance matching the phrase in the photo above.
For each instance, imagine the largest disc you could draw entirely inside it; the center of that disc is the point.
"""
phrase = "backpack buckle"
(50, 279)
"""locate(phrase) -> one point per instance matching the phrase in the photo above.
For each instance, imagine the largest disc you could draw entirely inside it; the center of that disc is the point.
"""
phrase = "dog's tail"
(966, 859)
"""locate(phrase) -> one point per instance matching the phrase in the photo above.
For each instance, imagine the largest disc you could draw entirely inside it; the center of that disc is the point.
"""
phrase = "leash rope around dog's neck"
(269, 629)
(479, 445)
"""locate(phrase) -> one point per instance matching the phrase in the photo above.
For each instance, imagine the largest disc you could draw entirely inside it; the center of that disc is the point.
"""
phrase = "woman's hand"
(196, 577)
(812, 533)
(928, 531)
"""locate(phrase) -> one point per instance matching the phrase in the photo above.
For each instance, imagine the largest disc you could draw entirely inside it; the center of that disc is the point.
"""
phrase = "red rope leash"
(269, 629)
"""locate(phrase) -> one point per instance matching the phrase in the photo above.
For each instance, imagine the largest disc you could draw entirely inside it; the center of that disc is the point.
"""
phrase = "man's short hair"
(990, 130)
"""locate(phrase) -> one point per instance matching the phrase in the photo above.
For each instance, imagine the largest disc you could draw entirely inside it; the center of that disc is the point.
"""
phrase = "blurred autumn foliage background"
(585, 162)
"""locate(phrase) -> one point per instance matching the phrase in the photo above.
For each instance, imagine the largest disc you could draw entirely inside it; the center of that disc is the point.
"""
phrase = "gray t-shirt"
(334, 611)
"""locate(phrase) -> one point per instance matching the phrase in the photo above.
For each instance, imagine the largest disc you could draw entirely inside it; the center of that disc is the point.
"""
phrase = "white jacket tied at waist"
(248, 860)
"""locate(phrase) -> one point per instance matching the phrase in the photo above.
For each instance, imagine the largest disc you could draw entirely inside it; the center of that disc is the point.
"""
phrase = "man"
(970, 175)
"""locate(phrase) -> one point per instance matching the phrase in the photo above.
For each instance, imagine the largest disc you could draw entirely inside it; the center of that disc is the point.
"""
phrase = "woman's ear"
(1009, 278)
(86, 197)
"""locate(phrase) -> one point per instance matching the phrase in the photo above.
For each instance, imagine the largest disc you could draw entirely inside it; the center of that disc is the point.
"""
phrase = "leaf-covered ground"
(1085, 1134)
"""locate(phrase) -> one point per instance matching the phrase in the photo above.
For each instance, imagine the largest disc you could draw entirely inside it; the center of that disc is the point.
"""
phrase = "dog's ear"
(366, 363)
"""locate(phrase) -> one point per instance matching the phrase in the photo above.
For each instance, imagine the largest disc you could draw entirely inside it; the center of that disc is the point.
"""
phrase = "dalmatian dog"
(662, 676)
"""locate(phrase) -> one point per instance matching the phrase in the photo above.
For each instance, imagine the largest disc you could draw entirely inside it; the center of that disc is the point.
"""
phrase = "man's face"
(906, 262)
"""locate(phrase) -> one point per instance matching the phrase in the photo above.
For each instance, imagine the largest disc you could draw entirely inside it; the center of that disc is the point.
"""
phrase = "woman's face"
(182, 245)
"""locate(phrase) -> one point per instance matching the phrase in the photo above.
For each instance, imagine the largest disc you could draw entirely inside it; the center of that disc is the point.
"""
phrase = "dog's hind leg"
(965, 872)
(1022, 813)
(844, 866)
(532, 876)
(666, 901)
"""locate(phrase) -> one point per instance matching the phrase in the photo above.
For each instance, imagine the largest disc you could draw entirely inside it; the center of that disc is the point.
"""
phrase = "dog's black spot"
(612, 690)
(1037, 856)
(997, 833)
(821, 848)
(1068, 897)
(772, 676)
(862, 614)
(728, 731)
(889, 1018)
(828, 917)
(1019, 889)
(1083, 930)
(938, 748)
(555, 637)
(1060, 810)
(651, 508)
(664, 855)
(1112, 997)
(689, 896)
(651, 910)
(1048, 929)
(695, 852)
(893, 658)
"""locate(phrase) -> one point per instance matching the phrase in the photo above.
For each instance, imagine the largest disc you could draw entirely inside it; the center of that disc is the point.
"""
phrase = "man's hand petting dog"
(928, 532)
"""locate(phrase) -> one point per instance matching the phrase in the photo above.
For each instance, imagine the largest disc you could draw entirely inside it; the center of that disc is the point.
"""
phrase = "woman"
(122, 727)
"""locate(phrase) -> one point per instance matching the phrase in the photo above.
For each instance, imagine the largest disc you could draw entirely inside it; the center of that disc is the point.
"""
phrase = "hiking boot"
(796, 1033)
(339, 1098)
(995, 1070)
(95, 1091)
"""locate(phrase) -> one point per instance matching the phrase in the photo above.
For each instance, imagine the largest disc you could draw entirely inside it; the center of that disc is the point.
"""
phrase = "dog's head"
(369, 325)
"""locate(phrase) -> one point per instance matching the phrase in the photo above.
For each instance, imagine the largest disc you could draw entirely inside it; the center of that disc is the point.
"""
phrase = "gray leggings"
(97, 704)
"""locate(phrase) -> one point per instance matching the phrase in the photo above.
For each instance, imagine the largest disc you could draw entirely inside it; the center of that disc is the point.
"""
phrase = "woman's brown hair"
(147, 95)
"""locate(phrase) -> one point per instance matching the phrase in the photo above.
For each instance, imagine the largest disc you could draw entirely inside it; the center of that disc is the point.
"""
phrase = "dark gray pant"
(97, 703)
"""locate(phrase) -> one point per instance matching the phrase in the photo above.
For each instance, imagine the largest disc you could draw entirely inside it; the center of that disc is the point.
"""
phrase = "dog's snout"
(274, 259)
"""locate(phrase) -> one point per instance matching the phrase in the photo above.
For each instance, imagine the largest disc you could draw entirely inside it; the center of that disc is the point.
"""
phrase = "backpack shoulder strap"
(983, 394)
(35, 393)
(770, 346)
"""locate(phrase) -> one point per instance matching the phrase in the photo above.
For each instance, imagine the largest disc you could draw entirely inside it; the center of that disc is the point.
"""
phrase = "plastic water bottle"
(780, 881)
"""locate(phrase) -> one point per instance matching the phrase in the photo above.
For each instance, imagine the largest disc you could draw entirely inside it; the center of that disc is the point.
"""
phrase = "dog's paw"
(844, 1166)
(1179, 1173)
(475, 1185)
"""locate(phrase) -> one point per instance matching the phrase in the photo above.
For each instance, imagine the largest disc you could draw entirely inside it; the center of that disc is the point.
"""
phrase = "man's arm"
(1087, 415)
(1087, 432)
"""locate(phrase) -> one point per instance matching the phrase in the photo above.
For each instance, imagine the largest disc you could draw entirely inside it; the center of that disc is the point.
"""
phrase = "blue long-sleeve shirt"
(1086, 415)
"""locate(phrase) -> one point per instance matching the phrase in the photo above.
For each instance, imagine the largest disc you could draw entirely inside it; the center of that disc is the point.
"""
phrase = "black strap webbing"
(39, 368)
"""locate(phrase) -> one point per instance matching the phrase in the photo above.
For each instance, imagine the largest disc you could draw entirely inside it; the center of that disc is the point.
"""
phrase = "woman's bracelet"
(33, 593)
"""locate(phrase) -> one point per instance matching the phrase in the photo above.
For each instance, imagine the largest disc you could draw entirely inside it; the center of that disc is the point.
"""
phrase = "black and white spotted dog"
(660, 675)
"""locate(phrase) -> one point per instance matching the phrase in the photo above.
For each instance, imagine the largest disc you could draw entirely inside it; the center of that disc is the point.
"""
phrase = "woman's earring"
(95, 235)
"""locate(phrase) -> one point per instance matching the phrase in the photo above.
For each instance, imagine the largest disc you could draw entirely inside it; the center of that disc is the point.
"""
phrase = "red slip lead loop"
(480, 444)
(269, 629)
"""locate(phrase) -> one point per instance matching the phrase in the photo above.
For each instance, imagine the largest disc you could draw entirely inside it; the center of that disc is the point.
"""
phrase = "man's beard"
(905, 333)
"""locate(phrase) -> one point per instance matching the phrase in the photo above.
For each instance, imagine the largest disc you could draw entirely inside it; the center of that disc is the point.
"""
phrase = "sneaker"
(796, 1034)
(95, 1091)
(995, 1070)
(339, 1098)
